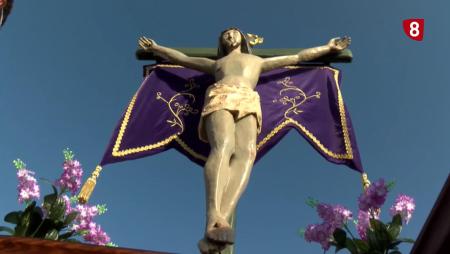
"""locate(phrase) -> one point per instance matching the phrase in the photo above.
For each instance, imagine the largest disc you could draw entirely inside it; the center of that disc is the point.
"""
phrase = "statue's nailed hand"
(146, 43)
(339, 44)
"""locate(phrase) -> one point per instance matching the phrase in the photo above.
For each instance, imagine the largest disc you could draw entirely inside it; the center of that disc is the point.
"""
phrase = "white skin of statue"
(233, 143)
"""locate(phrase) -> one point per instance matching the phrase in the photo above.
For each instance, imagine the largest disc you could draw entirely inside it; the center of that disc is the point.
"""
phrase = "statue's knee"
(228, 147)
(225, 147)
(252, 152)
(247, 153)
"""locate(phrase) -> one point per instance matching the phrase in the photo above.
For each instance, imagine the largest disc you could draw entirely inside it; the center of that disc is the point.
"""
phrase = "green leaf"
(395, 227)
(406, 240)
(35, 221)
(362, 246)
(68, 154)
(394, 231)
(102, 209)
(13, 217)
(381, 234)
(340, 236)
(24, 220)
(52, 235)
(7, 229)
(372, 240)
(397, 220)
(19, 164)
(70, 217)
(49, 200)
(111, 244)
(22, 226)
(301, 232)
(82, 232)
(312, 202)
(74, 199)
(66, 235)
(390, 185)
(394, 244)
(58, 210)
(351, 246)
(38, 210)
(377, 225)
(55, 191)
(46, 226)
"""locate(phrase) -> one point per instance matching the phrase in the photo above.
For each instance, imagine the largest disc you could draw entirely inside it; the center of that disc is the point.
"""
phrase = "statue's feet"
(207, 247)
(221, 235)
(219, 231)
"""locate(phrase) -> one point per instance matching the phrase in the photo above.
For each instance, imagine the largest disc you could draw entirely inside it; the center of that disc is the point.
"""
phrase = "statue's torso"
(239, 69)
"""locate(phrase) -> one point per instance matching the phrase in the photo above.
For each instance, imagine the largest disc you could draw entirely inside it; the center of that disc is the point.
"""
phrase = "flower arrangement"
(376, 237)
(60, 217)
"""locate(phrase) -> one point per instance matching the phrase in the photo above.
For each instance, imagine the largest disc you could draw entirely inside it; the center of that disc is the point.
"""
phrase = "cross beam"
(345, 56)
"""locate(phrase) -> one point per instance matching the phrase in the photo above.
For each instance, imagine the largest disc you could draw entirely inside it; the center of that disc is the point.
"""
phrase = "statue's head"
(230, 39)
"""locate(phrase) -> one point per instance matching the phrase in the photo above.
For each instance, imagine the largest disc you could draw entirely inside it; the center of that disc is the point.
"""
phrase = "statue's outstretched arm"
(197, 63)
(334, 45)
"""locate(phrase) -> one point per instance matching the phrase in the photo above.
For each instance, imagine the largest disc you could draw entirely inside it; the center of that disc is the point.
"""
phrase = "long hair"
(245, 46)
(5, 11)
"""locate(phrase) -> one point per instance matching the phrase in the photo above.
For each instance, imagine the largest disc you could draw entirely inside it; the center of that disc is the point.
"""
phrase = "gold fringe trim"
(189, 150)
(89, 186)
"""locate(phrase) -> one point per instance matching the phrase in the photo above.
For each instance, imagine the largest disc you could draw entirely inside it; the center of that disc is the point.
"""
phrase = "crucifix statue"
(231, 120)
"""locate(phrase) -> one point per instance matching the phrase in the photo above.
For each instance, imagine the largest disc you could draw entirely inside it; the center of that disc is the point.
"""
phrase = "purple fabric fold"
(165, 112)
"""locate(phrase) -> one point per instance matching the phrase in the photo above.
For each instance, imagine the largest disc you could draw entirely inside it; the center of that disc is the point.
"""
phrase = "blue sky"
(67, 71)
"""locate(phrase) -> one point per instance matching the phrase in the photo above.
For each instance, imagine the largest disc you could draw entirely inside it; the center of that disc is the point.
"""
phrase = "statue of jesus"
(231, 120)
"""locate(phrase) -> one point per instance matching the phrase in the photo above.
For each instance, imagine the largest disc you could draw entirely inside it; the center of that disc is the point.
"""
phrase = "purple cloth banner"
(165, 112)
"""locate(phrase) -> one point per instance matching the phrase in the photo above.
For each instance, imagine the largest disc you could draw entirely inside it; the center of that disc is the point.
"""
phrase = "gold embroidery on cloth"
(176, 108)
(295, 101)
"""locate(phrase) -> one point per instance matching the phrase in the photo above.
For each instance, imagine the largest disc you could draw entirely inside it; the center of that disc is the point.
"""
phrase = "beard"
(232, 44)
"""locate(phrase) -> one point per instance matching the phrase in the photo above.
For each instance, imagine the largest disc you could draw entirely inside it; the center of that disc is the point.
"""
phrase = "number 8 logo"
(414, 28)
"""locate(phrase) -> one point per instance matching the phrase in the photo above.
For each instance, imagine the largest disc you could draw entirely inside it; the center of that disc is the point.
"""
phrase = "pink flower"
(71, 177)
(336, 215)
(320, 233)
(96, 235)
(374, 196)
(363, 224)
(403, 205)
(27, 187)
(67, 202)
(86, 212)
(325, 212)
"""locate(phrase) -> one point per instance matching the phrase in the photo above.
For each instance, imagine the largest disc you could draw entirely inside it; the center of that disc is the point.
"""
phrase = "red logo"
(414, 28)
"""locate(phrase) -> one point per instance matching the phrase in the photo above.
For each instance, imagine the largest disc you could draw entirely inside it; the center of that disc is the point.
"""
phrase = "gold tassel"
(89, 186)
(365, 181)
